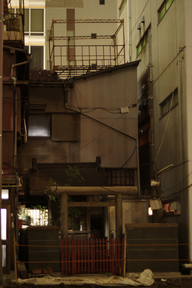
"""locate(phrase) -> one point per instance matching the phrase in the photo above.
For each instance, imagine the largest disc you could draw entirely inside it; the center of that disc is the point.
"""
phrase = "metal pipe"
(16, 49)
(15, 110)
(11, 186)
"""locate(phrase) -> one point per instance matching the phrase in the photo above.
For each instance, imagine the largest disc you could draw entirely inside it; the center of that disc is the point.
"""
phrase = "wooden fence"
(92, 256)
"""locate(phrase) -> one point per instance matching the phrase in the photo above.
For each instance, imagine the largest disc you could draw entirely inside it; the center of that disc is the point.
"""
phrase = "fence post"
(62, 258)
(124, 262)
(15, 257)
(73, 256)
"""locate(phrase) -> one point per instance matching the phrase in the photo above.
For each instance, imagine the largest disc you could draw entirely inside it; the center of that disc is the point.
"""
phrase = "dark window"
(169, 103)
(102, 2)
(37, 56)
(120, 177)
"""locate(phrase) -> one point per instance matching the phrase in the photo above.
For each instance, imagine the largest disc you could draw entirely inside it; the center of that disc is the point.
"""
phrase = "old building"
(15, 93)
(87, 122)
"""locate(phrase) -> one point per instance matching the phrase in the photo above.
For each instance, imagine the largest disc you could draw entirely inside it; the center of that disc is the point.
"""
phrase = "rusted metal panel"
(7, 155)
(8, 109)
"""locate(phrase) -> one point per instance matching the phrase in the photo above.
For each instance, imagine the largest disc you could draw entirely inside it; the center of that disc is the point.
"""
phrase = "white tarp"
(145, 279)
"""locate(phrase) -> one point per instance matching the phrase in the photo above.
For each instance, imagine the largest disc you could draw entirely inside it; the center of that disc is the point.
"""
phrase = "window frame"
(29, 51)
(121, 7)
(167, 102)
(34, 33)
(165, 8)
(119, 176)
(143, 41)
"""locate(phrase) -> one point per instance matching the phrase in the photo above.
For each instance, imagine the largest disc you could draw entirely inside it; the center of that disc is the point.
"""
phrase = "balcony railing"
(13, 27)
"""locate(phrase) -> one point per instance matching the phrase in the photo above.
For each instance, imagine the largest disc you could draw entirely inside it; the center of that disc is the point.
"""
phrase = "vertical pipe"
(15, 259)
(82, 54)
(114, 43)
(138, 169)
(118, 213)
(124, 40)
(61, 54)
(89, 58)
(130, 32)
(1, 102)
(50, 50)
(110, 55)
(53, 47)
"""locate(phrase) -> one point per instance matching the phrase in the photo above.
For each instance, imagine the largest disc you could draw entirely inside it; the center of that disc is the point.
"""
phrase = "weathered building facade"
(15, 93)
(79, 122)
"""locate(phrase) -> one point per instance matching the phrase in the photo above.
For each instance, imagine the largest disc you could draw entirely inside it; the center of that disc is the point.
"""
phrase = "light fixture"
(139, 26)
(143, 19)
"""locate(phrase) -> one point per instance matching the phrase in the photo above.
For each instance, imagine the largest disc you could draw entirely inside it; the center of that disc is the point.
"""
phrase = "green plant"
(74, 176)
(47, 268)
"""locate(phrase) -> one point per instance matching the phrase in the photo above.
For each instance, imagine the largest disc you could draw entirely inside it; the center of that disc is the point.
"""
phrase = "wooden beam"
(64, 215)
(86, 191)
(91, 204)
(118, 212)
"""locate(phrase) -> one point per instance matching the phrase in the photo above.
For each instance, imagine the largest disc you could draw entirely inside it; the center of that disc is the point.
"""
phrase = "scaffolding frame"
(74, 59)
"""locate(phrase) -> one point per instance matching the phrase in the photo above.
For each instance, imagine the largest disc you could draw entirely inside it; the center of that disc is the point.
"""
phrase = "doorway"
(97, 230)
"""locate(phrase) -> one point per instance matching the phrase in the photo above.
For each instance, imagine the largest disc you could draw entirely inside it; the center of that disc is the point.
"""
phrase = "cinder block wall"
(48, 236)
(152, 233)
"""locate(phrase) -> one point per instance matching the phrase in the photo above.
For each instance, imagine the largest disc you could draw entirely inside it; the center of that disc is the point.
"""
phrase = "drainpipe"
(129, 31)
(15, 110)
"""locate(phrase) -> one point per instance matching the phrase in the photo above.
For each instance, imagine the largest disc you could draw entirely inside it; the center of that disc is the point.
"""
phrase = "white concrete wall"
(171, 70)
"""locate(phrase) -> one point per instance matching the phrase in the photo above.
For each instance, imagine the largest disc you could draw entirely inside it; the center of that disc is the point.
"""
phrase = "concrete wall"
(171, 70)
(110, 91)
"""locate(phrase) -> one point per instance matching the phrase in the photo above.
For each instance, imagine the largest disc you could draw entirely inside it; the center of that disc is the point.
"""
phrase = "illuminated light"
(150, 211)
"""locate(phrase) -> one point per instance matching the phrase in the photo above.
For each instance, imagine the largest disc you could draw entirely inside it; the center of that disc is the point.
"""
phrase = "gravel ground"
(164, 283)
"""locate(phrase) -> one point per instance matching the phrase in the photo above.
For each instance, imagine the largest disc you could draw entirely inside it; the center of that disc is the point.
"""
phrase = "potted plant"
(47, 270)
